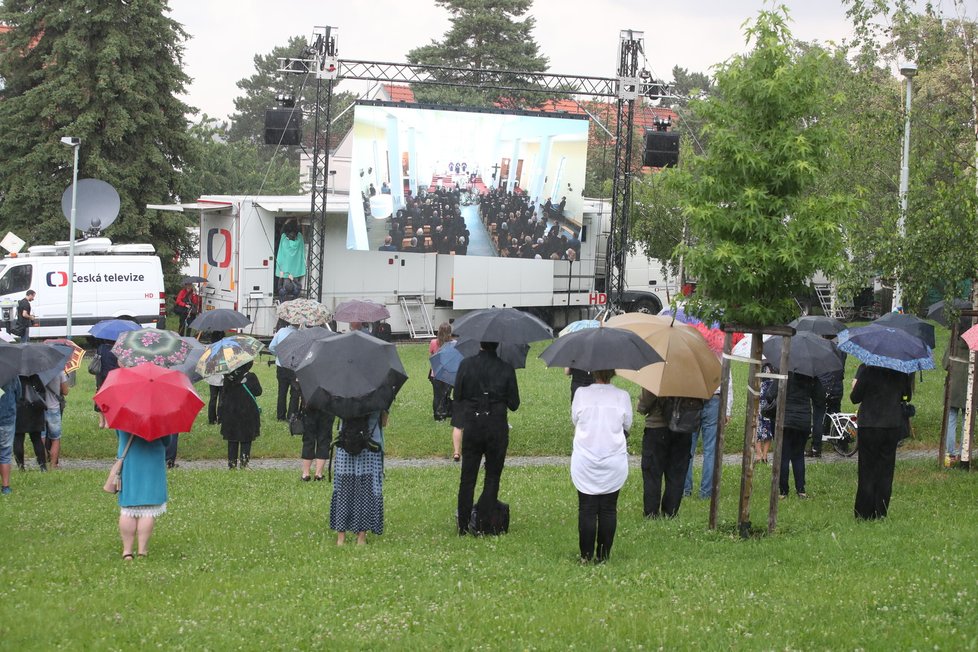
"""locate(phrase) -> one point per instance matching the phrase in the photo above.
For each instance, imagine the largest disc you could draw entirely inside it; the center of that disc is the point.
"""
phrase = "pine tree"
(107, 72)
(484, 34)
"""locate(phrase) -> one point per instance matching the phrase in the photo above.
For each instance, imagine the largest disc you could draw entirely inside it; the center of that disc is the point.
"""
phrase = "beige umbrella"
(691, 368)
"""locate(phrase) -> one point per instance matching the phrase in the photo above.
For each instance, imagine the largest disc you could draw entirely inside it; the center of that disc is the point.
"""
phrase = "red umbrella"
(148, 401)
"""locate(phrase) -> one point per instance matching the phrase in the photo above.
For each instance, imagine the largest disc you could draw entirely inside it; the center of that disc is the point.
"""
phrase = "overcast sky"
(580, 38)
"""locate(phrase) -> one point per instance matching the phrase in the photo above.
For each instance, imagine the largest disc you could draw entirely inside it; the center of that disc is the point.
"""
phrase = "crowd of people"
(432, 222)
(522, 230)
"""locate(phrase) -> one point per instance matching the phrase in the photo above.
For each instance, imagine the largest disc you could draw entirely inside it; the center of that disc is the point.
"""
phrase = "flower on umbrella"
(149, 338)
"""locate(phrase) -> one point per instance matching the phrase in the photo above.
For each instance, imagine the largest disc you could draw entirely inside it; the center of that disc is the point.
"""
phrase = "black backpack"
(683, 414)
(356, 436)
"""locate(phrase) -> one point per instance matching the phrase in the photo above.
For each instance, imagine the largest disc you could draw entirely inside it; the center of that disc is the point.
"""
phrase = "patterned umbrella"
(228, 354)
(163, 348)
(75, 353)
(891, 348)
(303, 312)
(360, 311)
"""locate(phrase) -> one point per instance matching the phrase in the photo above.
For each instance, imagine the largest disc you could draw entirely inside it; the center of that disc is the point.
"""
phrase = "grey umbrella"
(221, 319)
(501, 325)
(350, 375)
(818, 324)
(606, 347)
(513, 354)
(938, 311)
(810, 355)
(292, 350)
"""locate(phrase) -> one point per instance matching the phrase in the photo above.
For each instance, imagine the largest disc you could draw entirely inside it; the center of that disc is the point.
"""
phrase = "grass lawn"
(244, 560)
(540, 427)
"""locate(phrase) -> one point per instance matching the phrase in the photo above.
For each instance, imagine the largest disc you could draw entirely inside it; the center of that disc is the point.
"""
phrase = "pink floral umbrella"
(163, 348)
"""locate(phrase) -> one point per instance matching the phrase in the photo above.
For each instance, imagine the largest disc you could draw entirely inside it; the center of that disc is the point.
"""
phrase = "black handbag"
(95, 366)
(296, 425)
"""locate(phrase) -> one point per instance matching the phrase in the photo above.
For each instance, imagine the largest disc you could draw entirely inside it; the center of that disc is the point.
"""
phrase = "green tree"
(106, 72)
(235, 168)
(940, 248)
(758, 231)
(259, 92)
(486, 34)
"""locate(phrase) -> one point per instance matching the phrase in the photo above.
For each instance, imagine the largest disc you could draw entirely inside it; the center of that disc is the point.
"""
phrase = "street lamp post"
(908, 70)
(74, 143)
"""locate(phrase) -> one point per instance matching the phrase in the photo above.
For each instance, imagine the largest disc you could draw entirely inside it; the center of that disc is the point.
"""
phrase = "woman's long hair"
(444, 333)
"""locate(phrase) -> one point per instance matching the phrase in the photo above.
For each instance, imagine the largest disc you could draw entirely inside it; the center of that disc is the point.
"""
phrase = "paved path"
(434, 462)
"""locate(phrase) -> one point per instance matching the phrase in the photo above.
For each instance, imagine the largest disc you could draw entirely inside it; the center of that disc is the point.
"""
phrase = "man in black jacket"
(485, 387)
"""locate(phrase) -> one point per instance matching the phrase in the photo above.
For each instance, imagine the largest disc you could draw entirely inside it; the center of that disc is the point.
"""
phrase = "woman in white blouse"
(602, 415)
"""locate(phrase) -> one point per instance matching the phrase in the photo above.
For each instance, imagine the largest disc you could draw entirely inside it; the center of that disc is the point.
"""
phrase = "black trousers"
(793, 453)
(286, 383)
(664, 453)
(236, 448)
(441, 405)
(486, 436)
(212, 404)
(877, 460)
(317, 434)
(39, 452)
(597, 520)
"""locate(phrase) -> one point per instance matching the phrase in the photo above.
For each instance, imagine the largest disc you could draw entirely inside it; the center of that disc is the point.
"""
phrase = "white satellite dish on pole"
(97, 206)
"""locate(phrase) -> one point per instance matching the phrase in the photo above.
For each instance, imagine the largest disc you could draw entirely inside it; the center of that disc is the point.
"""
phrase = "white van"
(109, 281)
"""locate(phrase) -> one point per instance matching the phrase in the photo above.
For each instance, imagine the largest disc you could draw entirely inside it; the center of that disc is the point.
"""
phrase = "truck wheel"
(649, 306)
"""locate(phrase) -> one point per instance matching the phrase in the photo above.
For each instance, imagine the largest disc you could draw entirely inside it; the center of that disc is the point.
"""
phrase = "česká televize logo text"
(60, 279)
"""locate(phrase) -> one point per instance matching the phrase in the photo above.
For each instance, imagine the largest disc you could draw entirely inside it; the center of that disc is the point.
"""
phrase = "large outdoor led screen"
(465, 182)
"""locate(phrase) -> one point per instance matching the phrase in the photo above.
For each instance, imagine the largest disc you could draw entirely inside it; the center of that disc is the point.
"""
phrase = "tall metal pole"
(908, 70)
(71, 240)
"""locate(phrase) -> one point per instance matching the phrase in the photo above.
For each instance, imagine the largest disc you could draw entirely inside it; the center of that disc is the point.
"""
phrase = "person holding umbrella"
(803, 393)
(186, 305)
(440, 401)
(107, 362)
(240, 414)
(144, 403)
(485, 388)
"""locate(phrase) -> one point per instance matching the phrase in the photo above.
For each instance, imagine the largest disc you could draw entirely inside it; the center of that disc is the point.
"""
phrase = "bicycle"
(843, 433)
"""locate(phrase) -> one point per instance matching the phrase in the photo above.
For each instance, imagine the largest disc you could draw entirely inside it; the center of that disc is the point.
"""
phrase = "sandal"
(306, 478)
(127, 557)
(317, 478)
(142, 555)
(456, 457)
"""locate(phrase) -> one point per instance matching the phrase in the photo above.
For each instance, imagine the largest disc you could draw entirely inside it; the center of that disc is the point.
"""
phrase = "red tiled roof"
(399, 93)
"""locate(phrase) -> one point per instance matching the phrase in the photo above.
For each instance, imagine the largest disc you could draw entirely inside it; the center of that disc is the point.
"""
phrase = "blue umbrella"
(891, 348)
(110, 329)
(445, 362)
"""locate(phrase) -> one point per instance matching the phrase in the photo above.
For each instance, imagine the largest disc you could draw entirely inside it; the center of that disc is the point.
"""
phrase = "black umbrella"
(810, 355)
(350, 375)
(221, 319)
(501, 325)
(39, 358)
(513, 354)
(192, 279)
(600, 348)
(294, 348)
(908, 324)
(936, 311)
(10, 355)
(818, 324)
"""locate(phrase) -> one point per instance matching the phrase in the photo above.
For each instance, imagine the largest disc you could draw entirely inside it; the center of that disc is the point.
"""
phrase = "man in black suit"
(388, 244)
(485, 388)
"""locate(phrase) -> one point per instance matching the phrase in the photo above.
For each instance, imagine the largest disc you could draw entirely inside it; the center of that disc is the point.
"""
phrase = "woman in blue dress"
(357, 504)
(143, 494)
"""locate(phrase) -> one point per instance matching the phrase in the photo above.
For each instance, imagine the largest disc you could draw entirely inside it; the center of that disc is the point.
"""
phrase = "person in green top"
(290, 262)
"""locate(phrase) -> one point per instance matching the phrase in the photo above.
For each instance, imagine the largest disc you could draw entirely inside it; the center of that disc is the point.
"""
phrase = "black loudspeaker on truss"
(283, 126)
(661, 149)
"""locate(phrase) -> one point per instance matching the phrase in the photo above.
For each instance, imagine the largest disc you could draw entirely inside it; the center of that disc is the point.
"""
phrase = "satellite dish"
(96, 205)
